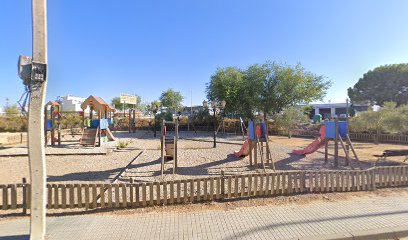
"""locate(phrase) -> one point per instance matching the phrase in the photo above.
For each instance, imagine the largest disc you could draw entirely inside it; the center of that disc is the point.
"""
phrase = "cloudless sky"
(106, 47)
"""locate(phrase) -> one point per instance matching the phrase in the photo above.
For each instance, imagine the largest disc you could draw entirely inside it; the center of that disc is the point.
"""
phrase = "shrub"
(289, 118)
(389, 119)
(122, 145)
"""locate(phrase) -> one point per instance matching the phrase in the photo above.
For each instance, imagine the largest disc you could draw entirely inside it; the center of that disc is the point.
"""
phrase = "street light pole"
(214, 107)
(215, 129)
(154, 125)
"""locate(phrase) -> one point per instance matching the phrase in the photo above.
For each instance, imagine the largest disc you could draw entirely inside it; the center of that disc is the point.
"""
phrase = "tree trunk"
(264, 116)
(377, 137)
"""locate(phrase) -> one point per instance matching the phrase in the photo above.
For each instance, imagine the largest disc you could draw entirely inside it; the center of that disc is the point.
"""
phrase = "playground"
(196, 158)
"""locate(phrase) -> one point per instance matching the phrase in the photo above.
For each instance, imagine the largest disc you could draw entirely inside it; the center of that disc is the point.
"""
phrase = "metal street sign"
(128, 99)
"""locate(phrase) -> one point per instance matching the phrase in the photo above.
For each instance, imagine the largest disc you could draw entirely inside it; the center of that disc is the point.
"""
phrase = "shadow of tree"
(202, 169)
(15, 237)
(85, 176)
(285, 164)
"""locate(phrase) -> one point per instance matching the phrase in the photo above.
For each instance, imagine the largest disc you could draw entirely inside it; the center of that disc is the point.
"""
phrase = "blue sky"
(106, 47)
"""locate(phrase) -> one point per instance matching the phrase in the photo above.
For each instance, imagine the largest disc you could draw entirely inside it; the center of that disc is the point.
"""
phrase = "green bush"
(389, 119)
(167, 116)
(122, 145)
(13, 124)
(289, 119)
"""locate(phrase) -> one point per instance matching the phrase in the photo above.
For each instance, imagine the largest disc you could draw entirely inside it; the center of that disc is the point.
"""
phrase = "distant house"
(72, 104)
(328, 110)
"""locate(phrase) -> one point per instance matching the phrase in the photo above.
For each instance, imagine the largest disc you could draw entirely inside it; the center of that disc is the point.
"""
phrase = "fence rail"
(366, 137)
(385, 138)
(133, 195)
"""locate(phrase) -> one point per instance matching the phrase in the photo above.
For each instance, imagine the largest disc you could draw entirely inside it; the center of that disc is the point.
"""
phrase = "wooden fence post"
(222, 185)
(131, 192)
(372, 179)
(24, 196)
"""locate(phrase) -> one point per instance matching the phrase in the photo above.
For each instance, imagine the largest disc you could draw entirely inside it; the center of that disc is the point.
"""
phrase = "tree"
(267, 88)
(171, 99)
(228, 84)
(12, 111)
(13, 120)
(384, 83)
(289, 118)
(307, 110)
(278, 86)
(119, 106)
(151, 106)
(396, 118)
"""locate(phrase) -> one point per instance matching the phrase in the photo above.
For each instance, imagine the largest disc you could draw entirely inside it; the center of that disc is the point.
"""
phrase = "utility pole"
(36, 151)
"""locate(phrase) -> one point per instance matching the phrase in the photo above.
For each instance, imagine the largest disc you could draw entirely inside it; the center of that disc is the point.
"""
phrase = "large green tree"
(267, 88)
(278, 86)
(228, 84)
(171, 99)
(383, 84)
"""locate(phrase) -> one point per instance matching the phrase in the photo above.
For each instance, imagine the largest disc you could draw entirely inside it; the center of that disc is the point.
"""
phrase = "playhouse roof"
(52, 103)
(97, 103)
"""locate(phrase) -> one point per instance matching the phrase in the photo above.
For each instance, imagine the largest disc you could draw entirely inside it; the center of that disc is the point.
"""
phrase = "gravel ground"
(72, 168)
(72, 148)
(197, 159)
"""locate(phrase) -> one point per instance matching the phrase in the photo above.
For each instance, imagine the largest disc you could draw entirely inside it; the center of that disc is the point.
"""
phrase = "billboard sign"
(128, 99)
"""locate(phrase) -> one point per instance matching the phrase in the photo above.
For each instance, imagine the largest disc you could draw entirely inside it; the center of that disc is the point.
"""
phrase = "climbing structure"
(259, 144)
(332, 131)
(256, 144)
(96, 131)
(52, 123)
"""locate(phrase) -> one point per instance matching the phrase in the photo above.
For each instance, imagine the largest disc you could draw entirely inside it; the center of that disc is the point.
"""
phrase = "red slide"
(244, 151)
(315, 145)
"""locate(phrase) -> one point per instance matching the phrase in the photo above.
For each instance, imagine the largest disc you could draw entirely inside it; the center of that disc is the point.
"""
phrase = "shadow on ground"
(15, 237)
(85, 176)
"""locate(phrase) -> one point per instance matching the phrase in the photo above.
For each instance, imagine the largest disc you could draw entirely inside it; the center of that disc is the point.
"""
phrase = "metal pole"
(336, 143)
(154, 125)
(36, 150)
(215, 129)
(191, 111)
(347, 132)
(124, 113)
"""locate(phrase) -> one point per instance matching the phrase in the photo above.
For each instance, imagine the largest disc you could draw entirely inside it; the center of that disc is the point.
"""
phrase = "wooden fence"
(364, 137)
(220, 188)
(383, 138)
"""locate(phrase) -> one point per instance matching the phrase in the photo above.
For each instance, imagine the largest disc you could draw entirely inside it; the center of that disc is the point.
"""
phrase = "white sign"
(128, 99)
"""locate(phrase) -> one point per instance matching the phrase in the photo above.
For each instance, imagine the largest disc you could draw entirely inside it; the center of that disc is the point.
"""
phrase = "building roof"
(336, 105)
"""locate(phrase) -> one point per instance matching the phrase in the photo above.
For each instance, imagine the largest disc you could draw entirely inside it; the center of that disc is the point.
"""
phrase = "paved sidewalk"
(321, 220)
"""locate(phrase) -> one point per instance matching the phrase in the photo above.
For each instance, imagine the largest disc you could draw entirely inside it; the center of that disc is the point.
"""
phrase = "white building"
(72, 104)
(328, 110)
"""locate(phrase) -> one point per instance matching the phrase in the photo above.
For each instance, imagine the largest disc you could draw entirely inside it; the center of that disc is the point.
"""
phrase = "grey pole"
(36, 151)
